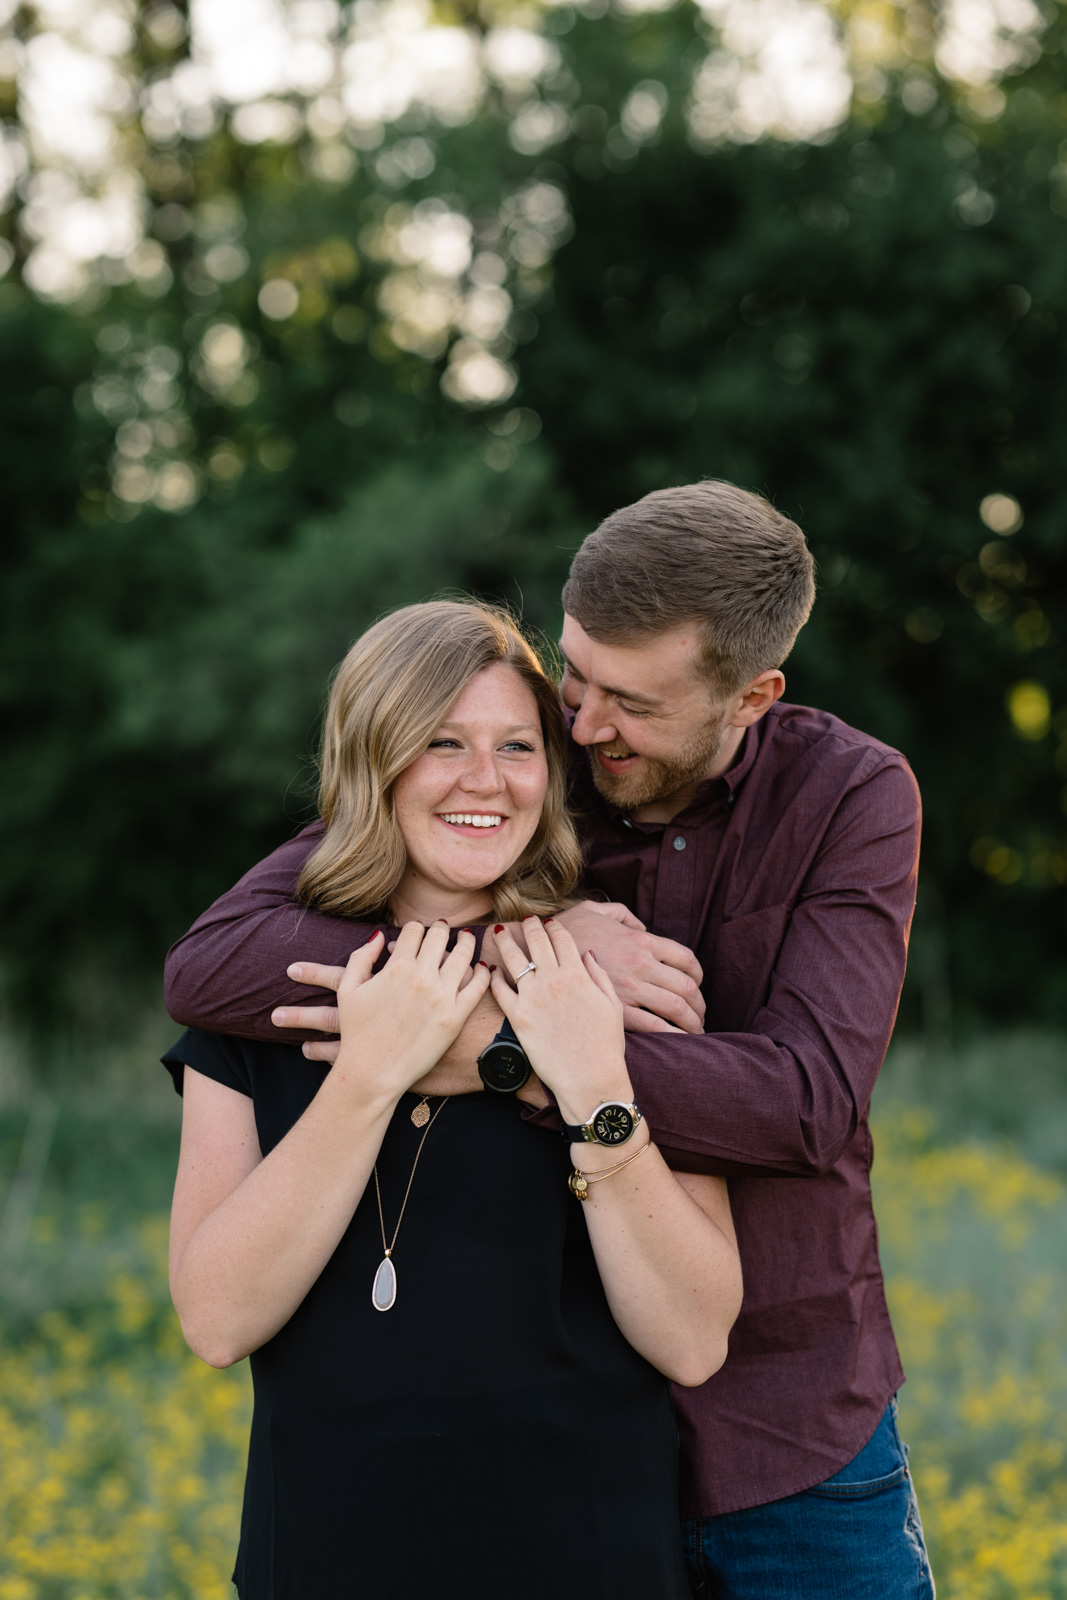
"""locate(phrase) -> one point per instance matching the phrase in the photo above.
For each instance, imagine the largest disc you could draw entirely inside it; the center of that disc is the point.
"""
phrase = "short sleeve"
(213, 1054)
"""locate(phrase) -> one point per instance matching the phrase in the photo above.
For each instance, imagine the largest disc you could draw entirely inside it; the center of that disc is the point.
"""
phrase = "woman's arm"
(664, 1242)
(250, 1235)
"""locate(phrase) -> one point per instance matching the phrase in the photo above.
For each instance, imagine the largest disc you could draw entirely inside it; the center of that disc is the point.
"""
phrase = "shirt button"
(679, 842)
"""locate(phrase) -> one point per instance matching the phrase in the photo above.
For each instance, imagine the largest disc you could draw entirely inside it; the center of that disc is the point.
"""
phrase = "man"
(770, 852)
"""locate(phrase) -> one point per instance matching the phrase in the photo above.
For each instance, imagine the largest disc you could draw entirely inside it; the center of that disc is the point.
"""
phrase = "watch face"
(613, 1124)
(503, 1067)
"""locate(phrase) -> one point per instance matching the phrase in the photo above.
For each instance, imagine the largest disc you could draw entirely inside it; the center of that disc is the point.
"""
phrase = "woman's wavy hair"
(389, 696)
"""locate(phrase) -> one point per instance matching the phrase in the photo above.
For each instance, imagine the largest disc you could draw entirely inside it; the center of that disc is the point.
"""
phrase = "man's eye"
(632, 711)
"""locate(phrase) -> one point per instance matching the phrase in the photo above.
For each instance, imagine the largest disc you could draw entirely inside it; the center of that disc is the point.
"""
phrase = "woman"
(460, 1371)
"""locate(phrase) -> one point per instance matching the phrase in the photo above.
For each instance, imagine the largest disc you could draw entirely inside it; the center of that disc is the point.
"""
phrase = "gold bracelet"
(578, 1182)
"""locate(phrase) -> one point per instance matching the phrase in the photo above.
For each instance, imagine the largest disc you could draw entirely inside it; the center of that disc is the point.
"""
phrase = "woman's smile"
(471, 821)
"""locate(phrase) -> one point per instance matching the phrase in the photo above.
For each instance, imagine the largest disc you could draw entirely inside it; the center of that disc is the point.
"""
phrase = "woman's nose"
(481, 776)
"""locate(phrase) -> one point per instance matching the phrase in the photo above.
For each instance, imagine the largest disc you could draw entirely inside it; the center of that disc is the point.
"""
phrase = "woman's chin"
(468, 870)
(469, 888)
(478, 882)
(474, 867)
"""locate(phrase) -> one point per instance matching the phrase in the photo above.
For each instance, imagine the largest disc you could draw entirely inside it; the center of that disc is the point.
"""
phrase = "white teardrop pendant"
(383, 1295)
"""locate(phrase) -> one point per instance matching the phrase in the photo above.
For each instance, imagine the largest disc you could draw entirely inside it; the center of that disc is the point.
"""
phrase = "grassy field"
(121, 1455)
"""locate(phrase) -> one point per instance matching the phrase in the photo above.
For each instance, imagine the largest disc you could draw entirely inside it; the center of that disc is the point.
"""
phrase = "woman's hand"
(396, 1025)
(567, 1016)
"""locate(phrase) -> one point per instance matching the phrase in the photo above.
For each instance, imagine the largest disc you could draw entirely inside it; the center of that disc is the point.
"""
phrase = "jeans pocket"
(864, 1490)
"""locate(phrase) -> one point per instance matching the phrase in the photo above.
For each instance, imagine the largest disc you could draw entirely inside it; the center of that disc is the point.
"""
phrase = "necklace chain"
(388, 1248)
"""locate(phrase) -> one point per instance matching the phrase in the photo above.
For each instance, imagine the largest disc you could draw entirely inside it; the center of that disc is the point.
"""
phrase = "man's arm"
(787, 1094)
(229, 970)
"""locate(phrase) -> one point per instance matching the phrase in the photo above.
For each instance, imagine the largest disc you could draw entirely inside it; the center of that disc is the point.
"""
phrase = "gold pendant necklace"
(383, 1292)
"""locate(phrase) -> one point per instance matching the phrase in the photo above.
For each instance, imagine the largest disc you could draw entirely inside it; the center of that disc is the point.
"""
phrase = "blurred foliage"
(223, 465)
(972, 1236)
(123, 1454)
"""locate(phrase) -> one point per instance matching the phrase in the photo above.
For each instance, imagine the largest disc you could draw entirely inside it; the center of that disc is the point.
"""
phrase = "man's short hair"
(708, 552)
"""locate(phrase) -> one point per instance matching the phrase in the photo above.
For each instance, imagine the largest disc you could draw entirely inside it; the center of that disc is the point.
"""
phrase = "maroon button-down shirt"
(792, 878)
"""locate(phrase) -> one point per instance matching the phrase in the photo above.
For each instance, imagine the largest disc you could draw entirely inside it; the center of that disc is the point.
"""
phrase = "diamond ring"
(531, 968)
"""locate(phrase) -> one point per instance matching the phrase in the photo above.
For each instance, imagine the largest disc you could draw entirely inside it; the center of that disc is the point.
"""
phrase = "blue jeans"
(855, 1537)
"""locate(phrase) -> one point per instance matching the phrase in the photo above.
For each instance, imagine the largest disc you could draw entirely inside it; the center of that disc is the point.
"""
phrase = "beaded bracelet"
(578, 1182)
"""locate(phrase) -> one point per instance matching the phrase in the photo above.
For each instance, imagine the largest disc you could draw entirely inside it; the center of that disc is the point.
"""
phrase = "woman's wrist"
(576, 1106)
(594, 1158)
(361, 1089)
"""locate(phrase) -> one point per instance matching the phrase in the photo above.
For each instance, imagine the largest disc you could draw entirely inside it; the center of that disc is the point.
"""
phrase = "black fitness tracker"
(504, 1065)
(611, 1123)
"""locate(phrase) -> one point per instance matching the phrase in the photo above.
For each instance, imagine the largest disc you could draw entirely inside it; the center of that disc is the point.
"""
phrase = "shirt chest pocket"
(746, 951)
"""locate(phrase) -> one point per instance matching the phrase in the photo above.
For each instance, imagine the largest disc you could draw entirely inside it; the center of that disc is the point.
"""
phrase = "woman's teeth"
(472, 820)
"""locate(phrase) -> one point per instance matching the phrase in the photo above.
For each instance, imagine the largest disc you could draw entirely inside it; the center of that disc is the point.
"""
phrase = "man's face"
(650, 723)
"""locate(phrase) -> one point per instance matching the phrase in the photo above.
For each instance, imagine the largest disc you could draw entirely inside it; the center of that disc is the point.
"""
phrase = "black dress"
(493, 1436)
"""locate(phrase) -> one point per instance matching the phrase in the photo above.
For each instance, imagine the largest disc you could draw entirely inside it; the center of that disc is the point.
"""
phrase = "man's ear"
(757, 699)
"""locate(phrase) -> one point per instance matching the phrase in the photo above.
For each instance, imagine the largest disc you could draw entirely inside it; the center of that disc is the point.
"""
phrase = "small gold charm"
(577, 1185)
(421, 1114)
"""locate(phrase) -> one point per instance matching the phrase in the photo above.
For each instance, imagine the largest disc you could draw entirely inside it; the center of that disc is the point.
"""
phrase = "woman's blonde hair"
(389, 696)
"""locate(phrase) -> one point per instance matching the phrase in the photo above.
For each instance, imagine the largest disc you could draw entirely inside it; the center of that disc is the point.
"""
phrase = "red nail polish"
(548, 920)
(492, 967)
(499, 928)
(484, 964)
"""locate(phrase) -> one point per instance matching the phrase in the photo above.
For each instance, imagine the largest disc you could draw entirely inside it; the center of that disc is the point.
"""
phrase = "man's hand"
(608, 908)
(323, 1019)
(657, 980)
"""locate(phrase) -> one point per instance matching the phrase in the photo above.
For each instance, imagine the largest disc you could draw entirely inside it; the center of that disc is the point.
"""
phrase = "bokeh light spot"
(1001, 513)
(1030, 710)
(278, 299)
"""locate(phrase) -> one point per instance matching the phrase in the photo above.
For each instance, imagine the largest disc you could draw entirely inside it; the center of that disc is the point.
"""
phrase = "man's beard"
(659, 780)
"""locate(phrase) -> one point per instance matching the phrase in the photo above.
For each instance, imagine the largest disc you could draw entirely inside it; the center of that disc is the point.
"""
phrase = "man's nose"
(591, 724)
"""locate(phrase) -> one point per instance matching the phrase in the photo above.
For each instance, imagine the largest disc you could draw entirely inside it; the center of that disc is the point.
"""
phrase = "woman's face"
(469, 805)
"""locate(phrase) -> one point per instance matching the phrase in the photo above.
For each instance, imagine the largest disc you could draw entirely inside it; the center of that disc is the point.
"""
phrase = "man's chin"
(653, 781)
(627, 790)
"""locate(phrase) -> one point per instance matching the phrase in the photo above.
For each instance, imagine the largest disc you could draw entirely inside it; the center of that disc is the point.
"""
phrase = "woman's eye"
(518, 744)
(444, 744)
